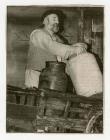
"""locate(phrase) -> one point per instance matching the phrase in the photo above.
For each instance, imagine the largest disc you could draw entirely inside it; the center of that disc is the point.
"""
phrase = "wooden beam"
(64, 96)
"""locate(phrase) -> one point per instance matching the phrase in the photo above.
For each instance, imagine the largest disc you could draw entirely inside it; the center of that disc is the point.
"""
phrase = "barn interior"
(81, 24)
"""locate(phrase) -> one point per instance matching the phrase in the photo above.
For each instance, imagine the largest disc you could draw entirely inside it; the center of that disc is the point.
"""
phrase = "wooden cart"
(52, 112)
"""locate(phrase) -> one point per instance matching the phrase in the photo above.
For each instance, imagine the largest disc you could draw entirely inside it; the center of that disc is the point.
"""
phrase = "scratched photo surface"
(45, 110)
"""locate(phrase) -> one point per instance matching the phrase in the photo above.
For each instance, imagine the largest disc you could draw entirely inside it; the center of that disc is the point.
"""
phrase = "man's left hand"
(83, 45)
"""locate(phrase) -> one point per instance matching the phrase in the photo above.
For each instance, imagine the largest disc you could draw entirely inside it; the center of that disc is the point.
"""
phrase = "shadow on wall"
(96, 56)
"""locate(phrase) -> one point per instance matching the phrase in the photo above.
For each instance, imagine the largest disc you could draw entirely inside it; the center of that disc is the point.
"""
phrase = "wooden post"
(67, 108)
(81, 26)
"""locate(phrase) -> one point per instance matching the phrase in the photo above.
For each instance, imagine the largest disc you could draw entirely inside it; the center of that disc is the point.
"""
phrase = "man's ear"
(46, 21)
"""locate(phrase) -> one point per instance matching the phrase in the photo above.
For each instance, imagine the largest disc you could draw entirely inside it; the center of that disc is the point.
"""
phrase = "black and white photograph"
(54, 69)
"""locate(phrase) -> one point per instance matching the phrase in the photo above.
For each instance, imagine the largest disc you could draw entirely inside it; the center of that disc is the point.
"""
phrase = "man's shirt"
(45, 47)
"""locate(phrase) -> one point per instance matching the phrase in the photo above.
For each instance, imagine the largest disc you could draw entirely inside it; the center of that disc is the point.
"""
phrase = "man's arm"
(44, 41)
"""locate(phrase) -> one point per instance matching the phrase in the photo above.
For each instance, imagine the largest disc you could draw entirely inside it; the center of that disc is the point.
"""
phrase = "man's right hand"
(79, 48)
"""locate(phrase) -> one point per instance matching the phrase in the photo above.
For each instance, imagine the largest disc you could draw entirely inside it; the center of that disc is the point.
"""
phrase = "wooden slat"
(22, 99)
(67, 108)
(30, 100)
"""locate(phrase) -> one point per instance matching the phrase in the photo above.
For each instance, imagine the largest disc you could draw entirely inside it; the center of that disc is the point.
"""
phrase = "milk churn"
(85, 74)
(53, 77)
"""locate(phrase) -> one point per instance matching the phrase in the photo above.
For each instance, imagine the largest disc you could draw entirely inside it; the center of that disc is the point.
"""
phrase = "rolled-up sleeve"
(44, 41)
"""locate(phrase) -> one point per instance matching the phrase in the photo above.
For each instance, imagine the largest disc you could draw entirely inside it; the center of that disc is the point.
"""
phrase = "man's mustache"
(56, 25)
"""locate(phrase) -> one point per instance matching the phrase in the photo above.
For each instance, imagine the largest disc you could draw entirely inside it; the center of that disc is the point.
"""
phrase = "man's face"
(53, 23)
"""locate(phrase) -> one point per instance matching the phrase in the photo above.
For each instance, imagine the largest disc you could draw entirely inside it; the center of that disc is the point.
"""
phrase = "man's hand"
(79, 48)
(83, 45)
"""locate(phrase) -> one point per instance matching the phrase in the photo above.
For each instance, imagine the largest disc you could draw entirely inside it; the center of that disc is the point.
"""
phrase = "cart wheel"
(95, 124)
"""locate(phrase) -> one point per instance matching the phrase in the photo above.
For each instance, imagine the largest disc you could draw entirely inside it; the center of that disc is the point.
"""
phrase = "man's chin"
(55, 30)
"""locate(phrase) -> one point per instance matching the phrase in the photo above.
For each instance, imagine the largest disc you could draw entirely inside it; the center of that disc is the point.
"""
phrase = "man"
(45, 45)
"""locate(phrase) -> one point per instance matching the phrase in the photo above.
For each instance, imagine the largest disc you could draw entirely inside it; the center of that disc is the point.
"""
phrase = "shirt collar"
(49, 31)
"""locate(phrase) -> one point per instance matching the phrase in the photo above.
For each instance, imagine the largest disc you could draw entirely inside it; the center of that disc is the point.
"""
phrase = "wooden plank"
(76, 124)
(63, 96)
(23, 92)
(23, 112)
(72, 97)
(79, 110)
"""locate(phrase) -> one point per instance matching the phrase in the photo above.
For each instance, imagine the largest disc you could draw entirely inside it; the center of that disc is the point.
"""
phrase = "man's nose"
(57, 22)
